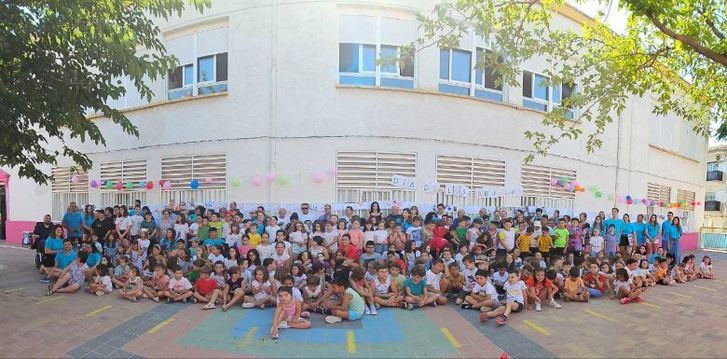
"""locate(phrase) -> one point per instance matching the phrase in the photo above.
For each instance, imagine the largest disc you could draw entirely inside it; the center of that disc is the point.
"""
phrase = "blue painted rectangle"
(489, 95)
(395, 82)
(357, 80)
(457, 90)
(534, 105)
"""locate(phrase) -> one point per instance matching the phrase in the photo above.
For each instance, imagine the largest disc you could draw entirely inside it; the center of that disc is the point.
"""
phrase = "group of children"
(351, 266)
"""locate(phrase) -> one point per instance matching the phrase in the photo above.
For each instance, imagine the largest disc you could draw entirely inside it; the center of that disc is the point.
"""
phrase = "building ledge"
(444, 94)
(159, 104)
(673, 153)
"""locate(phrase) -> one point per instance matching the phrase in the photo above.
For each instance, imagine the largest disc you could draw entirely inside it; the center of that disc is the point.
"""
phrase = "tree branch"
(689, 41)
(711, 24)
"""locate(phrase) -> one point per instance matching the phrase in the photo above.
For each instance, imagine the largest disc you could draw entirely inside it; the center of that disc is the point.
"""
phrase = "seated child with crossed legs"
(483, 296)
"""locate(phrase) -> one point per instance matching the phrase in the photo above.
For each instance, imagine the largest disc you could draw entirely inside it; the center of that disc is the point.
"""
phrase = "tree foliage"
(62, 59)
(673, 49)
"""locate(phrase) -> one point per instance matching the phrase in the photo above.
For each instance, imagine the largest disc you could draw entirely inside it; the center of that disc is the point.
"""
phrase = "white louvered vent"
(62, 176)
(182, 170)
(536, 181)
(652, 191)
(687, 197)
(133, 171)
(373, 170)
(470, 171)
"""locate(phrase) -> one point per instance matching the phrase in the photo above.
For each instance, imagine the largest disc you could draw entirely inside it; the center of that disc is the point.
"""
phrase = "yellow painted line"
(99, 310)
(159, 326)
(49, 300)
(248, 337)
(350, 342)
(682, 295)
(13, 290)
(536, 327)
(451, 338)
(651, 305)
(705, 288)
(599, 315)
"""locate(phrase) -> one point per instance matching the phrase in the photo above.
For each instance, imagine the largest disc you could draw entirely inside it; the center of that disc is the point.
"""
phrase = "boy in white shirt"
(515, 302)
(484, 294)
(434, 281)
(414, 232)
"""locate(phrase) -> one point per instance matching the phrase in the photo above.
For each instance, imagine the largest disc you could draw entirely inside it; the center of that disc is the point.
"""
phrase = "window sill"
(160, 103)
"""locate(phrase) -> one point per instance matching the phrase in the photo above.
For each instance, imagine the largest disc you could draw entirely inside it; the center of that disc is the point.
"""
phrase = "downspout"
(272, 163)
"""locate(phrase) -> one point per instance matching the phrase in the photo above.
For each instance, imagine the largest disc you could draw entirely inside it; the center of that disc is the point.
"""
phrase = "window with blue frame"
(455, 71)
(357, 66)
(455, 74)
(536, 92)
(488, 83)
(560, 93)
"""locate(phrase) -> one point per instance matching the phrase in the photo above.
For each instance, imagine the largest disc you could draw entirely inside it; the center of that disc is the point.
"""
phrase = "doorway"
(3, 211)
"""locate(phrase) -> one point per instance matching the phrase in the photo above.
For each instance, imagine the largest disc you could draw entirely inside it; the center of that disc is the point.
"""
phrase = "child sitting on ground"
(133, 286)
(514, 302)
(484, 294)
(595, 281)
(359, 284)
(262, 290)
(352, 305)
(157, 286)
(287, 313)
(541, 289)
(102, 281)
(574, 288)
(661, 275)
(416, 292)
(705, 268)
(235, 286)
(385, 294)
(624, 288)
(205, 289)
(121, 271)
(179, 288)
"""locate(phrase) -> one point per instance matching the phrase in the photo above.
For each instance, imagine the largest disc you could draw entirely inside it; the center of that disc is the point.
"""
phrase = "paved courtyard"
(686, 320)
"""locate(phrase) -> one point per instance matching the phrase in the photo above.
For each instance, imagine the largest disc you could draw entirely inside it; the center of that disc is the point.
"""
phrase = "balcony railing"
(712, 205)
(714, 175)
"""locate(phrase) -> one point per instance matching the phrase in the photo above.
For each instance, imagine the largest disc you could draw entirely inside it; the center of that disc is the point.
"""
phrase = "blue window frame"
(357, 66)
(388, 53)
(461, 65)
(444, 64)
(206, 69)
(188, 74)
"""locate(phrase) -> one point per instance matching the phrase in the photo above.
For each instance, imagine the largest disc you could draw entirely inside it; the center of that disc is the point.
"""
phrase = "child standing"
(545, 242)
(596, 241)
(515, 300)
(287, 313)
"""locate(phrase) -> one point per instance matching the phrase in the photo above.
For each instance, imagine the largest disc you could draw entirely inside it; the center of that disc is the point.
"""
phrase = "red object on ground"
(504, 355)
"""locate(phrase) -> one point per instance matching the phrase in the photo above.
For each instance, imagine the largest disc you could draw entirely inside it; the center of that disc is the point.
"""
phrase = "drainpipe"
(273, 95)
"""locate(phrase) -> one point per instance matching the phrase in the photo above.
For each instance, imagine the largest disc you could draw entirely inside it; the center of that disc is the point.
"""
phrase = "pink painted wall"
(14, 230)
(689, 241)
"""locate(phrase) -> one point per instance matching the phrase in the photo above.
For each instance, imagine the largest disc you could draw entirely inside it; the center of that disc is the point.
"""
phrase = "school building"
(283, 102)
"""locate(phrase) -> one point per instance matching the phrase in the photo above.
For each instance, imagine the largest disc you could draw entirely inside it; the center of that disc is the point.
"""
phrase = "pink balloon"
(643, 201)
(167, 185)
(119, 186)
(74, 179)
(318, 177)
(208, 180)
(257, 181)
(271, 177)
(332, 171)
(554, 182)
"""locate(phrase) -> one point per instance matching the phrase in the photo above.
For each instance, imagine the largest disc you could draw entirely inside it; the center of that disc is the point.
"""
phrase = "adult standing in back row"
(617, 222)
(666, 230)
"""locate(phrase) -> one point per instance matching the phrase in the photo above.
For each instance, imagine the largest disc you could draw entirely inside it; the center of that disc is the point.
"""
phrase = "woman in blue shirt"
(674, 235)
(88, 217)
(639, 230)
(652, 232)
(627, 239)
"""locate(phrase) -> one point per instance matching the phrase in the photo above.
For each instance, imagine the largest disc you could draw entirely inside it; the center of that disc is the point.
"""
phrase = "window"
(710, 196)
(366, 175)
(132, 171)
(357, 66)
(659, 193)
(712, 166)
(209, 170)
(675, 135)
(472, 172)
(458, 66)
(686, 197)
(204, 69)
(536, 92)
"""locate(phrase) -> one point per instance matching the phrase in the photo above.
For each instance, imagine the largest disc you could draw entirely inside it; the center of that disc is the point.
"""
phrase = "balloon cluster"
(118, 185)
(570, 186)
(258, 181)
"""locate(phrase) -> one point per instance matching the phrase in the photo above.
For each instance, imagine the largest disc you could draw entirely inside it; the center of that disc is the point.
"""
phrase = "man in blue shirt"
(666, 229)
(617, 222)
(62, 259)
(73, 221)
